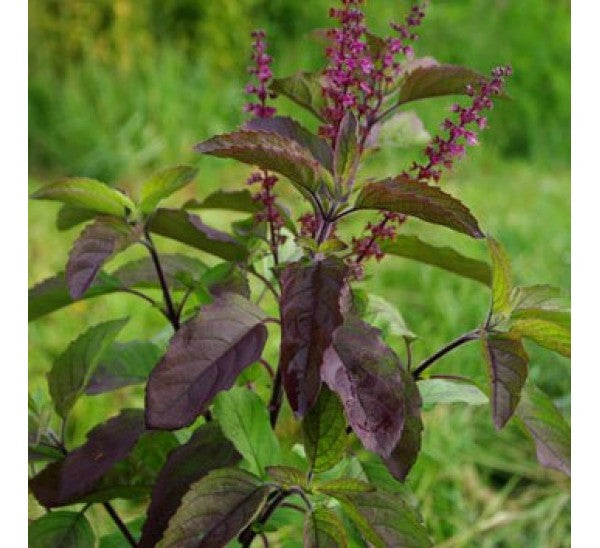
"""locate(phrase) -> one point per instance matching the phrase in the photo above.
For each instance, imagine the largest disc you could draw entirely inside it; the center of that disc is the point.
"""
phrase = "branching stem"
(467, 337)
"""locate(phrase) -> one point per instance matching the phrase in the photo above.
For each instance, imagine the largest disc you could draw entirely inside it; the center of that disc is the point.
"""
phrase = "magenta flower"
(262, 71)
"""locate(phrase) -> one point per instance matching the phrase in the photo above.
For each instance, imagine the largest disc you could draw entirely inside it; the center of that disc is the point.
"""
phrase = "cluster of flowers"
(262, 70)
(361, 66)
(443, 152)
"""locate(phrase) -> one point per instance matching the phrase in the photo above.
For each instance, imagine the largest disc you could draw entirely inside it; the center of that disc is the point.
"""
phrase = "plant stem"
(276, 398)
(372, 240)
(264, 280)
(247, 535)
(470, 336)
(119, 523)
(171, 312)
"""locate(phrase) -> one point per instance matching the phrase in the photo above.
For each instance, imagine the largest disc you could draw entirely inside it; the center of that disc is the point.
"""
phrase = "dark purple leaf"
(204, 357)
(304, 89)
(407, 449)
(421, 200)
(189, 229)
(65, 481)
(206, 450)
(366, 374)
(289, 128)
(273, 152)
(507, 362)
(310, 313)
(96, 244)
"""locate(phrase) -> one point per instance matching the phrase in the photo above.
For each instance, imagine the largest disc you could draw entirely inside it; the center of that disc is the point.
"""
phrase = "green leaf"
(123, 364)
(273, 152)
(378, 475)
(549, 430)
(163, 184)
(73, 368)
(244, 420)
(429, 203)
(304, 89)
(117, 540)
(189, 229)
(402, 130)
(346, 148)
(380, 313)
(412, 247)
(507, 369)
(324, 430)
(532, 299)
(87, 194)
(436, 80)
(435, 391)
(233, 200)
(216, 509)
(501, 279)
(342, 486)
(68, 217)
(287, 476)
(385, 519)
(61, 529)
(323, 529)
(552, 331)
(98, 243)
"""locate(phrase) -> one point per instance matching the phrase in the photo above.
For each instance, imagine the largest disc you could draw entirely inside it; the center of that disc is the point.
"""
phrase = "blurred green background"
(119, 88)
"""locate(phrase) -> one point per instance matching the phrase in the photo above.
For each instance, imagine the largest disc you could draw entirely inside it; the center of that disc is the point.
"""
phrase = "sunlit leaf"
(436, 391)
(72, 370)
(310, 312)
(69, 216)
(234, 200)
(215, 510)
(287, 476)
(383, 315)
(501, 279)
(429, 203)
(552, 331)
(346, 147)
(163, 184)
(244, 420)
(204, 357)
(61, 529)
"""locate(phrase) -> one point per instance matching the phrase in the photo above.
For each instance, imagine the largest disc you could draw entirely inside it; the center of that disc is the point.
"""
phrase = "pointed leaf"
(435, 391)
(98, 242)
(163, 184)
(234, 200)
(244, 420)
(346, 147)
(204, 357)
(552, 331)
(189, 229)
(501, 279)
(310, 312)
(385, 519)
(65, 481)
(206, 450)
(530, 300)
(73, 368)
(69, 216)
(61, 529)
(507, 369)
(437, 80)
(304, 89)
(323, 529)
(290, 129)
(549, 430)
(273, 152)
(215, 510)
(287, 476)
(429, 203)
(365, 373)
(324, 429)
(405, 454)
(123, 364)
(412, 247)
(87, 194)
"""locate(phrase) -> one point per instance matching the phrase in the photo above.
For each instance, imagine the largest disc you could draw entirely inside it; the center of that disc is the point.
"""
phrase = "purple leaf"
(366, 374)
(407, 449)
(204, 357)
(206, 450)
(507, 362)
(189, 229)
(65, 481)
(421, 200)
(289, 128)
(96, 244)
(310, 313)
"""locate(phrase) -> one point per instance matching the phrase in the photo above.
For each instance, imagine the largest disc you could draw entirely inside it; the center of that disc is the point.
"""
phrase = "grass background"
(119, 88)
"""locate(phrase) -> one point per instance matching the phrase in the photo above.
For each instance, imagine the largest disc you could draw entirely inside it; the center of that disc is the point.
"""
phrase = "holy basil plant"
(205, 455)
